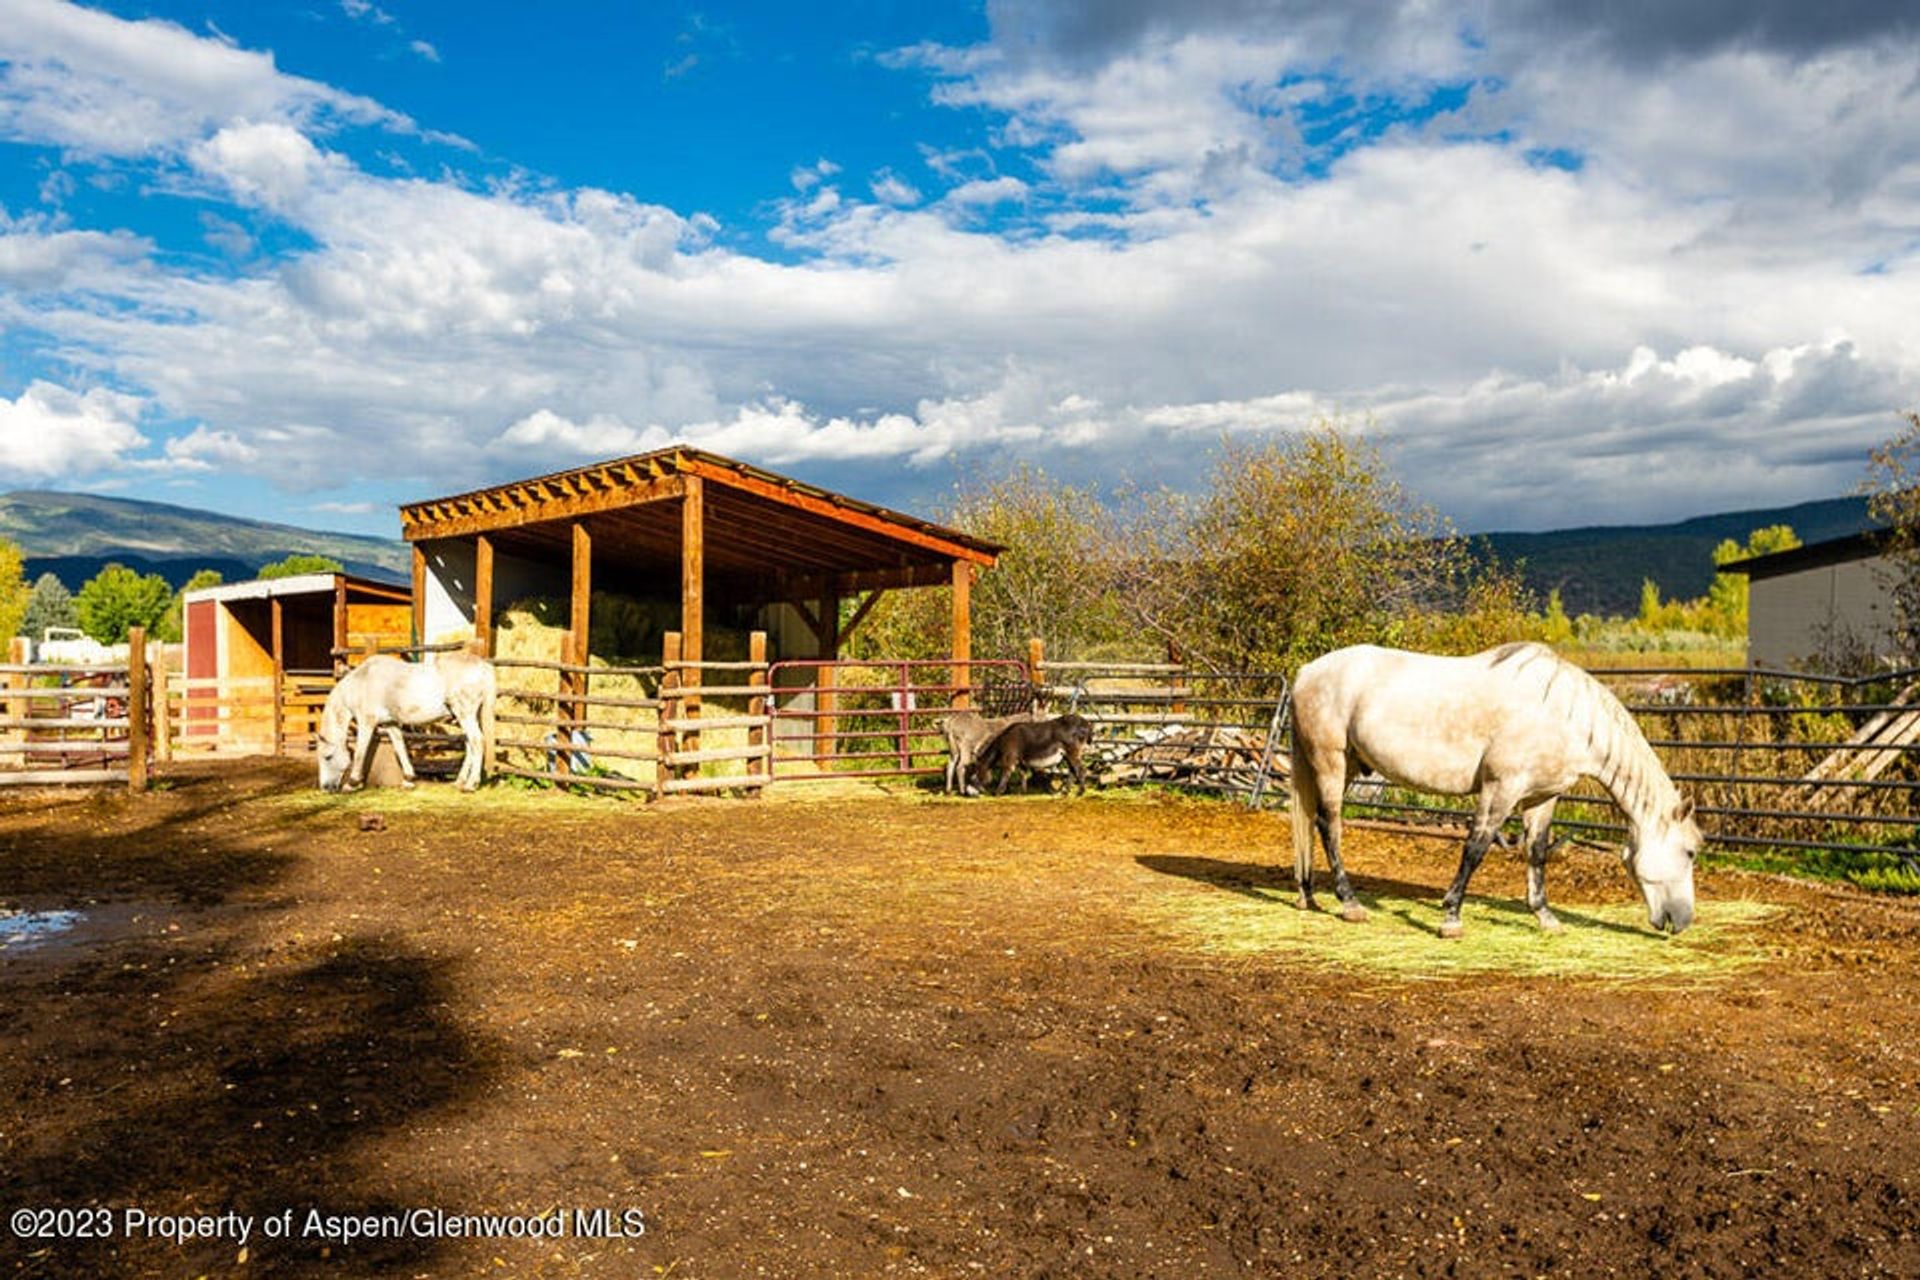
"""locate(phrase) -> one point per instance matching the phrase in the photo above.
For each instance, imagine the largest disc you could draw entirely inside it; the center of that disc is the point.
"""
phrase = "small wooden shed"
(720, 537)
(243, 639)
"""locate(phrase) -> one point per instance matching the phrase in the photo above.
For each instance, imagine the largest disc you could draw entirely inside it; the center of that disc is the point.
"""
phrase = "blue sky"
(307, 261)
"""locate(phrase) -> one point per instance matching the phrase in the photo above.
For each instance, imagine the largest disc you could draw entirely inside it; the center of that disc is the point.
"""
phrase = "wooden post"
(1176, 679)
(340, 640)
(580, 606)
(825, 725)
(137, 714)
(693, 568)
(693, 583)
(669, 709)
(962, 633)
(162, 708)
(759, 735)
(1036, 660)
(279, 677)
(483, 594)
(419, 594)
(562, 732)
(19, 654)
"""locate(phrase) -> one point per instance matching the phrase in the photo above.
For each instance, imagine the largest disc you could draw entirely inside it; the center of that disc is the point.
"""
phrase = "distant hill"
(1599, 569)
(72, 535)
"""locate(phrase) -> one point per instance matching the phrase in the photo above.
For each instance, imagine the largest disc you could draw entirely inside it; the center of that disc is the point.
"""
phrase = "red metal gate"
(880, 718)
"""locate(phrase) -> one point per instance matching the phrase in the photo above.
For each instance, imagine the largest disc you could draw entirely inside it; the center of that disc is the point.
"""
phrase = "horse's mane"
(1629, 769)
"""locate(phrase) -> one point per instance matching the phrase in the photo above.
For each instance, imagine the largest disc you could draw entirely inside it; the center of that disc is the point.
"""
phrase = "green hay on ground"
(1400, 937)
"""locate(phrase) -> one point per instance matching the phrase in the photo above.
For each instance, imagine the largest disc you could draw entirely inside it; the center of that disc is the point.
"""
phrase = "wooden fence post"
(1036, 659)
(19, 654)
(561, 735)
(162, 711)
(669, 710)
(137, 712)
(759, 735)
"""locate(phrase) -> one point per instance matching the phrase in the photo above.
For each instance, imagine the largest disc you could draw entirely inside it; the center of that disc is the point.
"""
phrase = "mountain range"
(1597, 569)
(73, 535)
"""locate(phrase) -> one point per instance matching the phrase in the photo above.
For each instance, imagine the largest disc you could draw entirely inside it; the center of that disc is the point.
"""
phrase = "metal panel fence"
(1167, 724)
(881, 718)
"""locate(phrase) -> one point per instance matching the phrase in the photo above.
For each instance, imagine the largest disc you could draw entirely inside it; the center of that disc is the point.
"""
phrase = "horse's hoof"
(407, 783)
(1551, 924)
(1353, 913)
(1303, 903)
(1452, 930)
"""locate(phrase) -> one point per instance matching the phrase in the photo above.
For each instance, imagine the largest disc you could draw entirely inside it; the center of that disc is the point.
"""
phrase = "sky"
(1565, 263)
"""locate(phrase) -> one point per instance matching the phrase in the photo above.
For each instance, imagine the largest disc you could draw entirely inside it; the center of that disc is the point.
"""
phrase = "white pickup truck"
(74, 647)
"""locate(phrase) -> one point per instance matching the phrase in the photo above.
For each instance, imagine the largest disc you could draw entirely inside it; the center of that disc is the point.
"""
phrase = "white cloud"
(985, 191)
(1693, 318)
(50, 431)
(35, 257)
(83, 79)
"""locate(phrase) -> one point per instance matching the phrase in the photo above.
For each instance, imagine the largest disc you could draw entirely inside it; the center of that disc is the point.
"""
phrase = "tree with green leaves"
(117, 599)
(298, 563)
(1727, 597)
(49, 604)
(13, 589)
(172, 627)
(1304, 544)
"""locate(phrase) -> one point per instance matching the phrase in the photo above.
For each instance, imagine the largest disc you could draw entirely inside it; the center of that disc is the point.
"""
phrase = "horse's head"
(334, 759)
(1660, 856)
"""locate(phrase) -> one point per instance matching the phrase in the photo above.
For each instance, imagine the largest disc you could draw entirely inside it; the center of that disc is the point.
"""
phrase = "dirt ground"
(905, 1036)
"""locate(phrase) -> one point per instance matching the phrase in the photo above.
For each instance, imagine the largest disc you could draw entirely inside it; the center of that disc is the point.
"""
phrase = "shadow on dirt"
(1265, 882)
(204, 1063)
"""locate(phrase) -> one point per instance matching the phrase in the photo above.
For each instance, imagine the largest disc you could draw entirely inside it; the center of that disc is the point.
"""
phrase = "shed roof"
(301, 584)
(1815, 555)
(759, 524)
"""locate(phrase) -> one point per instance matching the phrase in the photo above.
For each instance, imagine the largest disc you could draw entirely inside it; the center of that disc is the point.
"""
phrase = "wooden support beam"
(483, 593)
(693, 593)
(340, 619)
(693, 568)
(419, 594)
(279, 676)
(138, 714)
(859, 616)
(580, 602)
(962, 637)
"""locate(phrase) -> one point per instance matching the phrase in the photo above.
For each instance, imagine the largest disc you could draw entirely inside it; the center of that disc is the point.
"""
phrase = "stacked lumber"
(1214, 755)
(1871, 751)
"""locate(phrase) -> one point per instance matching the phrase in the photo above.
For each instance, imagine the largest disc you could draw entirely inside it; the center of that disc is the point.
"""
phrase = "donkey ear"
(1683, 810)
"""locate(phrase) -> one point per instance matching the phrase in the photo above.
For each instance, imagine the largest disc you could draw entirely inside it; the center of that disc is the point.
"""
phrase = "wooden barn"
(719, 543)
(246, 642)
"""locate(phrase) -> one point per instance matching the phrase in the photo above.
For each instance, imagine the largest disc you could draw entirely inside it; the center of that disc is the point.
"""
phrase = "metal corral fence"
(881, 718)
(1780, 759)
(1774, 759)
(1165, 723)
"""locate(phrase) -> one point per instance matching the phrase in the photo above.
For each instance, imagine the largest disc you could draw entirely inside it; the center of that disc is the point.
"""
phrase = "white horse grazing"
(385, 693)
(1516, 724)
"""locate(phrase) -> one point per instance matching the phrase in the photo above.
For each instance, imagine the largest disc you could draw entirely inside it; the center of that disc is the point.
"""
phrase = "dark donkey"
(1038, 744)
